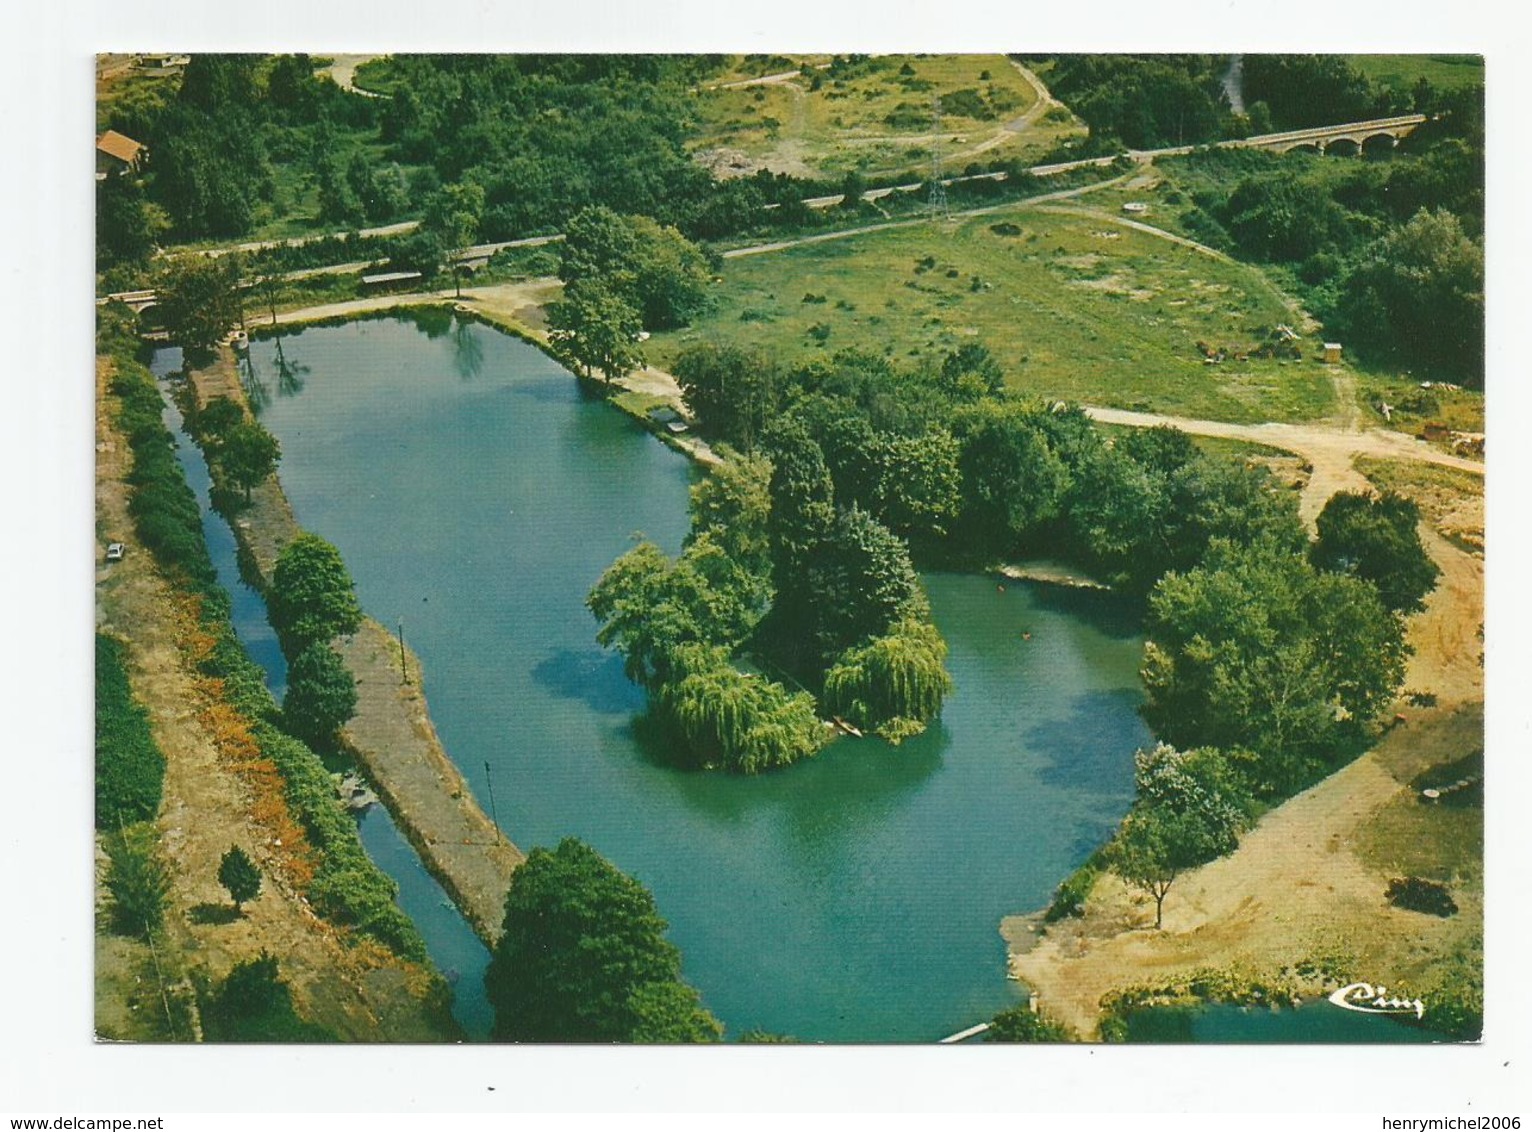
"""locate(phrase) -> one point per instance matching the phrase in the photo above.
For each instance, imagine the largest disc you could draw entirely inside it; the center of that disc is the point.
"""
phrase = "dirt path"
(391, 735)
(361, 992)
(1045, 102)
(343, 71)
(1329, 450)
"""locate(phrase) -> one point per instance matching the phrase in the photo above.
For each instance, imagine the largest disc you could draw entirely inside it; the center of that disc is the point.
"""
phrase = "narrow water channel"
(452, 945)
(476, 493)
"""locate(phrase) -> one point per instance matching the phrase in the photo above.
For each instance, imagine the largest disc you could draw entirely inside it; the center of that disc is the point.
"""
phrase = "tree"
(860, 583)
(198, 300)
(321, 695)
(894, 684)
(137, 883)
(1012, 480)
(248, 454)
(239, 874)
(311, 597)
(127, 225)
(1189, 811)
(655, 269)
(732, 389)
(583, 957)
(216, 419)
(733, 505)
(453, 215)
(737, 720)
(593, 328)
(650, 605)
(1023, 1024)
(802, 505)
(1418, 294)
(1256, 650)
(1377, 538)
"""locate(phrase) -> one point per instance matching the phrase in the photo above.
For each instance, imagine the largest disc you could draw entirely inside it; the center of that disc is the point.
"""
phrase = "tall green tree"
(1189, 810)
(1256, 650)
(734, 390)
(321, 695)
(1377, 537)
(595, 330)
(248, 454)
(894, 684)
(583, 958)
(1418, 294)
(311, 598)
(1012, 480)
(453, 215)
(198, 300)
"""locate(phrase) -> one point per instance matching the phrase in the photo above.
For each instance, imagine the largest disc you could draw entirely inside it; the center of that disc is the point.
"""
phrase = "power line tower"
(937, 203)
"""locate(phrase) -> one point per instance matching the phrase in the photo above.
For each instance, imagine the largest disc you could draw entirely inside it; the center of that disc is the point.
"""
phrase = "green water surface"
(476, 493)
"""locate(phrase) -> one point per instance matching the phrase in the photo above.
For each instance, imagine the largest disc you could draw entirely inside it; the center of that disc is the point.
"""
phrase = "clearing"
(1076, 304)
(810, 116)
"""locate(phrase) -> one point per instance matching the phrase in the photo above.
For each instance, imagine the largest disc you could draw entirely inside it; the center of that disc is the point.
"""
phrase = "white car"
(115, 551)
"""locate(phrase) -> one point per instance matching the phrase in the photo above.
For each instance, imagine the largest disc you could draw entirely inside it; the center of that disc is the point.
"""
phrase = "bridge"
(1319, 138)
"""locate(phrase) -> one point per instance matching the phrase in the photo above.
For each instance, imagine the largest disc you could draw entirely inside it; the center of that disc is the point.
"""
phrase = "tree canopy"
(583, 958)
(311, 598)
(1256, 650)
(321, 695)
(198, 300)
(1189, 810)
(1377, 537)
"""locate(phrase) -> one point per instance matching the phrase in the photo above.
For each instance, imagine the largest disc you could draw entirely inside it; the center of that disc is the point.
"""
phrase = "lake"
(477, 491)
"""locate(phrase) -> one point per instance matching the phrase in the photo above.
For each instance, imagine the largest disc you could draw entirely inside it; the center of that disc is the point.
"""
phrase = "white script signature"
(1368, 999)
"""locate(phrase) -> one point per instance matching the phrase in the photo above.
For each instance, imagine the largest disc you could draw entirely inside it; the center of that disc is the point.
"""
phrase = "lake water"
(477, 493)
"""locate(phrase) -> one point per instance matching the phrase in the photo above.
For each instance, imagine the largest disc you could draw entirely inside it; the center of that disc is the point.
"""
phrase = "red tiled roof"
(123, 148)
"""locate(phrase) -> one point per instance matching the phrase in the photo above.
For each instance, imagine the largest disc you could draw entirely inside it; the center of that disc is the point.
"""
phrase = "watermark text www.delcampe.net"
(92, 1123)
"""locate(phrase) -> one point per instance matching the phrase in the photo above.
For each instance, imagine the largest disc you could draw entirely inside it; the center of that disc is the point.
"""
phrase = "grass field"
(1445, 72)
(874, 114)
(1074, 306)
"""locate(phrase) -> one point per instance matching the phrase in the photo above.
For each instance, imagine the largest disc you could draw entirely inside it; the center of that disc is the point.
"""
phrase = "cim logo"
(1368, 999)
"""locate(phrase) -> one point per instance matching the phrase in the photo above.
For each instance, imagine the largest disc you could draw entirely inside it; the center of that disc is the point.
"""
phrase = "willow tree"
(894, 684)
(738, 720)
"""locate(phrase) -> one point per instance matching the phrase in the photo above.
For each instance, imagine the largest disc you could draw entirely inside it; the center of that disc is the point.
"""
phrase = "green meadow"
(1073, 304)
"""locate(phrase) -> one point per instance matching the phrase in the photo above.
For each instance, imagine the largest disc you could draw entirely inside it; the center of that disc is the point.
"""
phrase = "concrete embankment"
(391, 736)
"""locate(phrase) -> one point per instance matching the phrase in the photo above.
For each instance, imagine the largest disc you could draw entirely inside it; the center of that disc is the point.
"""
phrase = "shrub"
(255, 1005)
(1420, 895)
(130, 770)
(1023, 1024)
(137, 884)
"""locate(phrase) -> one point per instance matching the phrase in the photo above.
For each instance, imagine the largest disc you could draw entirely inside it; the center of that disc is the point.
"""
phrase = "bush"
(1069, 899)
(255, 1005)
(1420, 895)
(1022, 1024)
(137, 884)
(130, 770)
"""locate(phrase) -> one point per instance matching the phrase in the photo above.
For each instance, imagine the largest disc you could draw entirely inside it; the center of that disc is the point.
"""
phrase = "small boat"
(846, 727)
